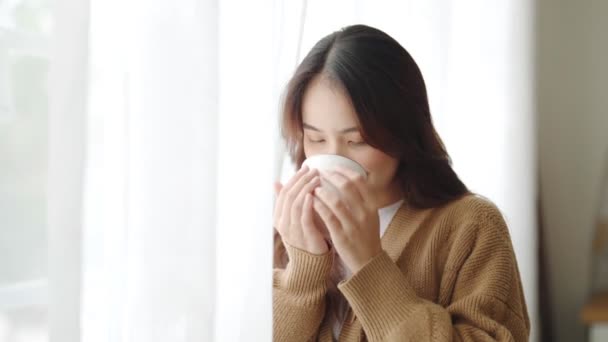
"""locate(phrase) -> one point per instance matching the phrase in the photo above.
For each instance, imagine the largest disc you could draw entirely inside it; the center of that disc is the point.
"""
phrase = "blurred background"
(139, 141)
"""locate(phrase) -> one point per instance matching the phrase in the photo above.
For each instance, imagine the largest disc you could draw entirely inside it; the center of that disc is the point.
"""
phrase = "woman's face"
(331, 127)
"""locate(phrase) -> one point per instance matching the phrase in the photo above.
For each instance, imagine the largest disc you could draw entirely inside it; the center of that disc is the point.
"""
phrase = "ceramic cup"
(328, 162)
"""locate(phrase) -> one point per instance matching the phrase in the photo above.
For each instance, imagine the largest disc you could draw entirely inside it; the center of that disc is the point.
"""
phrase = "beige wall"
(572, 94)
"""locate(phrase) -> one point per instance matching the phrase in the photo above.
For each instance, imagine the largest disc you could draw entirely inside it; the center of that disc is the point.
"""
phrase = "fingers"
(291, 182)
(296, 207)
(307, 218)
(349, 191)
(308, 225)
(357, 179)
(331, 222)
(280, 201)
(338, 215)
(277, 188)
(302, 171)
(294, 217)
(291, 193)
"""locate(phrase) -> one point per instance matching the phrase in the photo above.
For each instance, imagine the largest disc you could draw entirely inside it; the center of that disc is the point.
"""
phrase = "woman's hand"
(293, 213)
(352, 221)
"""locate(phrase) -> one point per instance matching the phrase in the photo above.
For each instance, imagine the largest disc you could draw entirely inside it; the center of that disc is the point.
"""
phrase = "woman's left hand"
(351, 219)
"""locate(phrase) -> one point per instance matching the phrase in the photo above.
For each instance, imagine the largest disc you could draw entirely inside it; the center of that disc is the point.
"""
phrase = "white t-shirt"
(386, 215)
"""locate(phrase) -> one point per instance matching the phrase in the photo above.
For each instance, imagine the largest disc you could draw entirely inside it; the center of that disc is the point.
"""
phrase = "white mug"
(328, 162)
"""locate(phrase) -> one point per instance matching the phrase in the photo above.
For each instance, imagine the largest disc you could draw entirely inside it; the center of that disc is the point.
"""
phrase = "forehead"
(327, 106)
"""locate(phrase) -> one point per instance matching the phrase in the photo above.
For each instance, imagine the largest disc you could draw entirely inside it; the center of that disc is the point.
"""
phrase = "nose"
(337, 149)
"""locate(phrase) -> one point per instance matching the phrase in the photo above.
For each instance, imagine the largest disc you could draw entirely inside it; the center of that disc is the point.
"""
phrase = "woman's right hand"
(293, 212)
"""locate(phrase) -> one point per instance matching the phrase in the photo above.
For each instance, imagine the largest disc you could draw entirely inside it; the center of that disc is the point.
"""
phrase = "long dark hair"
(389, 96)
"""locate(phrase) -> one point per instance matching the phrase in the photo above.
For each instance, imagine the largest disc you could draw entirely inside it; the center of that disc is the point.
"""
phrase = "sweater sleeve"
(298, 298)
(487, 302)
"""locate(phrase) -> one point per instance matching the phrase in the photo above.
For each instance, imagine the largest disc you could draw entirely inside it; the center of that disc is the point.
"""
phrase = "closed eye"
(357, 142)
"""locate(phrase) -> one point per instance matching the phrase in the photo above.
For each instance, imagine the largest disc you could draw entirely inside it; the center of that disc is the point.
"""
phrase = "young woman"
(410, 254)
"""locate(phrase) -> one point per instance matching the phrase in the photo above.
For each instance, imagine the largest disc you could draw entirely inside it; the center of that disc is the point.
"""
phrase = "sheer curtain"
(150, 206)
(258, 52)
(66, 157)
(164, 144)
(163, 149)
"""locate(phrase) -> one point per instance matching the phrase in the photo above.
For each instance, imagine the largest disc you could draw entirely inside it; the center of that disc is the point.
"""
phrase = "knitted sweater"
(445, 274)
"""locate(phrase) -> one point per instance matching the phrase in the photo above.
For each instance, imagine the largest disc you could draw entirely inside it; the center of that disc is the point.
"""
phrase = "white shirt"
(386, 215)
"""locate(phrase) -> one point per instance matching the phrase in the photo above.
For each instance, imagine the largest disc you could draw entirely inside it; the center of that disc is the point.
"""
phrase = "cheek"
(379, 165)
(308, 150)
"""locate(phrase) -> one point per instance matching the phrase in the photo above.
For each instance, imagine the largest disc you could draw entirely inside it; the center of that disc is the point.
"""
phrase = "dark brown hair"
(389, 96)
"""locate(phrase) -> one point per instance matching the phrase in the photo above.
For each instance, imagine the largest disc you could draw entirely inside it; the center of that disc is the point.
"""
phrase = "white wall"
(572, 78)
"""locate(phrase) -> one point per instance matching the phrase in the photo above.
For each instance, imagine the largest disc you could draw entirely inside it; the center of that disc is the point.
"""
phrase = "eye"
(316, 141)
(357, 143)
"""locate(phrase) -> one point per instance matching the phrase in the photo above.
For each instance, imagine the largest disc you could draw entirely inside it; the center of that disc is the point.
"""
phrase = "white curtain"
(150, 209)
(164, 145)
(66, 156)
(258, 52)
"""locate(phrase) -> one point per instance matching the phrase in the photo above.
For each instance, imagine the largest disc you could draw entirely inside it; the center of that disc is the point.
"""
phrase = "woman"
(410, 253)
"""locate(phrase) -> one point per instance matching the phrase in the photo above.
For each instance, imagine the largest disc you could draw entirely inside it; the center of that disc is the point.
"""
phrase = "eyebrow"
(344, 131)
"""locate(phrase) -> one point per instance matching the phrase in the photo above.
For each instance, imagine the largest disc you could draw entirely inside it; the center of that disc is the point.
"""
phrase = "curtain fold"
(68, 84)
(151, 210)
(258, 52)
